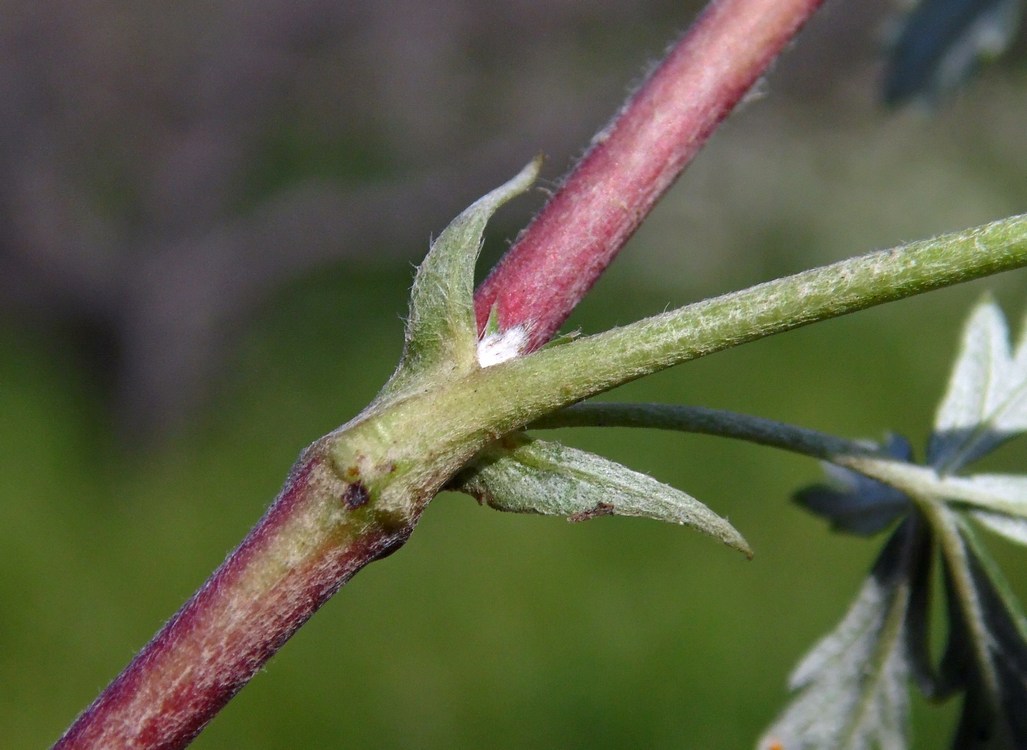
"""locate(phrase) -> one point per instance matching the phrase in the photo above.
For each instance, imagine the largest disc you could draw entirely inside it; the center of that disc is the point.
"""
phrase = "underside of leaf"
(525, 475)
(852, 686)
(988, 650)
(985, 403)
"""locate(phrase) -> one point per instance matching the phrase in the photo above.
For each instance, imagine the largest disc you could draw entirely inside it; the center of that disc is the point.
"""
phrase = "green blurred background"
(211, 213)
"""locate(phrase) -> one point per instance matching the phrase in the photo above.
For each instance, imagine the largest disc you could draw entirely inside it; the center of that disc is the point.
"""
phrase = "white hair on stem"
(494, 348)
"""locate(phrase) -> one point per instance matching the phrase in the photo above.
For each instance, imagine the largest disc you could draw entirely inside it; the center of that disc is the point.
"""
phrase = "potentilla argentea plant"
(479, 376)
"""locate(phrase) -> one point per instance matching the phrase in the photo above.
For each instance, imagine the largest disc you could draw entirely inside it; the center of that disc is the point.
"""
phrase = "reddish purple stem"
(562, 253)
(223, 635)
(212, 646)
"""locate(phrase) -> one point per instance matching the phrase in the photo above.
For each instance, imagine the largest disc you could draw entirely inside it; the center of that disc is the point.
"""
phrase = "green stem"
(426, 438)
(511, 394)
(696, 330)
(718, 422)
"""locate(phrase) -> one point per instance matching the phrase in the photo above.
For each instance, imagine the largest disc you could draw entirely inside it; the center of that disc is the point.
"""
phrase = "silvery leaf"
(994, 664)
(1013, 529)
(986, 400)
(525, 475)
(997, 501)
(851, 687)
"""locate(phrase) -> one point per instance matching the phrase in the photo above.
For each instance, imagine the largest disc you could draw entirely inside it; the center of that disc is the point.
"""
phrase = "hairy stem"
(866, 458)
(706, 421)
(633, 161)
(298, 555)
(451, 423)
(318, 533)
(555, 377)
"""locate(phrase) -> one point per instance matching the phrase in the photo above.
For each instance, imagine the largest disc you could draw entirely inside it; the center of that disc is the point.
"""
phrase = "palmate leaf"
(985, 403)
(852, 686)
(520, 474)
(840, 704)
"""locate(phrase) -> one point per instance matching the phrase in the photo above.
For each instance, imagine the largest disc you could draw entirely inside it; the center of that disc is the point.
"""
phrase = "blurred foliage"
(941, 43)
(500, 630)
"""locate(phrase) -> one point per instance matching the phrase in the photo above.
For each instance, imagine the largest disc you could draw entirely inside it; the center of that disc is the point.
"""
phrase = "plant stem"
(565, 249)
(297, 556)
(513, 393)
(313, 538)
(866, 458)
(706, 421)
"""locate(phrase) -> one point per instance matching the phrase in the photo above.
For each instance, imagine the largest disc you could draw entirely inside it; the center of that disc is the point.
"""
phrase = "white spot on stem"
(499, 347)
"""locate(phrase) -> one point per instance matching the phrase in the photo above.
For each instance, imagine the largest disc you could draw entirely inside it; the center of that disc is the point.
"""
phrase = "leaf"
(441, 337)
(492, 324)
(520, 474)
(992, 657)
(857, 503)
(852, 686)
(1013, 529)
(997, 501)
(942, 43)
(1000, 493)
(986, 400)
